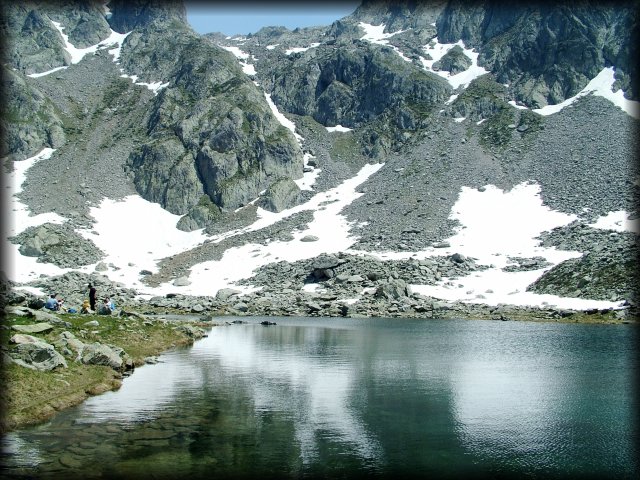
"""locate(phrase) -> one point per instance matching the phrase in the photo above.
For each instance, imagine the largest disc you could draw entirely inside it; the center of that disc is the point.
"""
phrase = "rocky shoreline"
(54, 361)
(61, 348)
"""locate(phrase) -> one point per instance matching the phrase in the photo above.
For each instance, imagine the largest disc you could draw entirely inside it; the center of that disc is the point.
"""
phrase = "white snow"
(480, 122)
(375, 33)
(602, 86)
(36, 75)
(459, 119)
(237, 52)
(281, 118)
(308, 178)
(452, 99)
(243, 57)
(248, 68)
(496, 225)
(21, 219)
(519, 107)
(437, 50)
(22, 268)
(338, 128)
(331, 228)
(402, 55)
(134, 230)
(77, 54)
(617, 221)
(289, 51)
(114, 39)
(155, 87)
(271, 47)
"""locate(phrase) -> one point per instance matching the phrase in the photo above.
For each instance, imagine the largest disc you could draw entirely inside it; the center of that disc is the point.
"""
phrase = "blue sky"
(243, 17)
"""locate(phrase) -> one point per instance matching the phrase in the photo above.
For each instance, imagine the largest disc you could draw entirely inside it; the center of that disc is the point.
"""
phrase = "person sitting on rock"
(52, 303)
(105, 308)
(61, 306)
(86, 307)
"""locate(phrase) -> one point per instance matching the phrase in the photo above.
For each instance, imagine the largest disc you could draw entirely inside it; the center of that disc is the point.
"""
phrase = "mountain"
(411, 159)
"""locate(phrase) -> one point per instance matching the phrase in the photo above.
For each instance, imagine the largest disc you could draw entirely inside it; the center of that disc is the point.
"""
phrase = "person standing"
(92, 297)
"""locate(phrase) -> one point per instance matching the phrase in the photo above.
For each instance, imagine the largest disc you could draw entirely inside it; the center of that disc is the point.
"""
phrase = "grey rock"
(309, 238)
(282, 194)
(34, 328)
(181, 282)
(100, 354)
(38, 355)
(225, 293)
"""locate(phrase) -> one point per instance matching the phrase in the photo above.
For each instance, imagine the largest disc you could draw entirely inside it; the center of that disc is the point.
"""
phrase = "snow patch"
(308, 178)
(617, 221)
(438, 50)
(338, 128)
(21, 268)
(247, 67)
(495, 225)
(289, 51)
(281, 118)
(37, 75)
(375, 33)
(602, 86)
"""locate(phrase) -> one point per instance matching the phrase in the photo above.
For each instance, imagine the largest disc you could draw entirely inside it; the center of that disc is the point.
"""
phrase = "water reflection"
(338, 396)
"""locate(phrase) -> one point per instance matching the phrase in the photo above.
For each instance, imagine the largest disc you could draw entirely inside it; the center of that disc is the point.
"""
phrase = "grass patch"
(32, 396)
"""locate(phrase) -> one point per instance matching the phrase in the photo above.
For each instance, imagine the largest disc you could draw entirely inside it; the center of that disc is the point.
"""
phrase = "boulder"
(68, 340)
(181, 282)
(393, 289)
(38, 355)
(36, 304)
(458, 258)
(191, 331)
(20, 338)
(282, 194)
(99, 354)
(241, 307)
(101, 267)
(309, 238)
(225, 293)
(35, 328)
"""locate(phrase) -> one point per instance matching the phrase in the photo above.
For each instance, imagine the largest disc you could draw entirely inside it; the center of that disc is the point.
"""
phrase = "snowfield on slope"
(494, 225)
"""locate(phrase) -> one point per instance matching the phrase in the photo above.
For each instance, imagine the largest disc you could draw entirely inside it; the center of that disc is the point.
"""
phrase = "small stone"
(309, 238)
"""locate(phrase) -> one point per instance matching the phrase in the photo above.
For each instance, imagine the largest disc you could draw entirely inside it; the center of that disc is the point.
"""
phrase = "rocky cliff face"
(184, 120)
(546, 52)
(210, 131)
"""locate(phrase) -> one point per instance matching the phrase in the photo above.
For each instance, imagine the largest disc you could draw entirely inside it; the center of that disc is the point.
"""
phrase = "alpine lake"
(344, 398)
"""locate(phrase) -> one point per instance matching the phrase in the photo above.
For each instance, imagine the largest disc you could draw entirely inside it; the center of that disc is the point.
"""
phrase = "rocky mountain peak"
(127, 15)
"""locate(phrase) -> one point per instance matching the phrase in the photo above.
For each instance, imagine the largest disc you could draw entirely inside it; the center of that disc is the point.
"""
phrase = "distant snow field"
(494, 225)
(602, 86)
(438, 50)
(115, 40)
(289, 51)
(338, 128)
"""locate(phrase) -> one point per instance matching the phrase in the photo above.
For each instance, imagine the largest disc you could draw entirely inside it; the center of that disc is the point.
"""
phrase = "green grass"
(32, 396)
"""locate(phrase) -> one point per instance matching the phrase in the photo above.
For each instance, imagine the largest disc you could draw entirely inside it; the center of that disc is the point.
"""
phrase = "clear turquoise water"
(340, 398)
